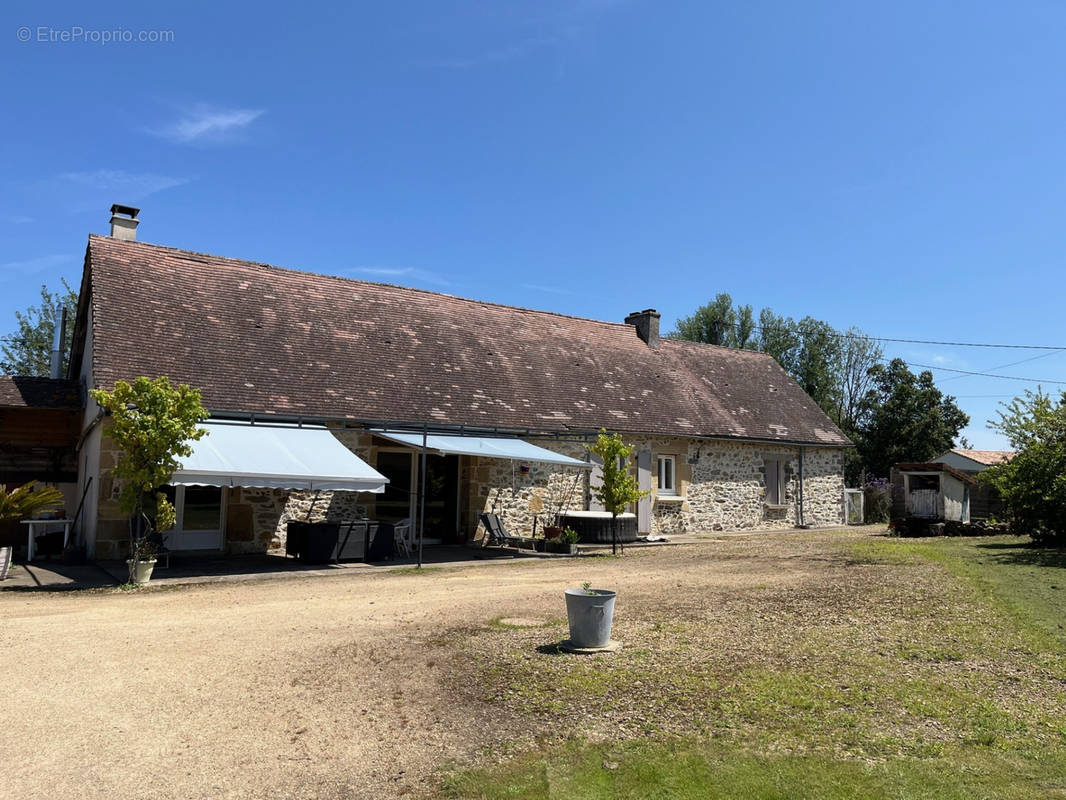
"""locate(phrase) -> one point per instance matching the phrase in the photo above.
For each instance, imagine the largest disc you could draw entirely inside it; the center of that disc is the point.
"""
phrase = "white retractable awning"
(275, 457)
(487, 446)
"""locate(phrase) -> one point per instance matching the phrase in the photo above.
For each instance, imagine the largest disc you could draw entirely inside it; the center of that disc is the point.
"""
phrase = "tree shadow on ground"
(1024, 552)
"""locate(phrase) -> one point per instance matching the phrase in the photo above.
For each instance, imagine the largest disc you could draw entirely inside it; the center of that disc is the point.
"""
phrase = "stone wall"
(720, 486)
(500, 486)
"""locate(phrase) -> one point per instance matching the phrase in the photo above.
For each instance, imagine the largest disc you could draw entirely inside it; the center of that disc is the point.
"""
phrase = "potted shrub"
(618, 488)
(566, 542)
(590, 613)
(152, 423)
(141, 561)
(29, 500)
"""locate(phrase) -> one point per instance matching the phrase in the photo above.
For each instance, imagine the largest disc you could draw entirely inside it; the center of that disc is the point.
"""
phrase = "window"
(668, 475)
(775, 481)
(199, 511)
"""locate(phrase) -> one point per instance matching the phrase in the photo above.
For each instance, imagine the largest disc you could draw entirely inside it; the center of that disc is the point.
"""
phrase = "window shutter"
(773, 481)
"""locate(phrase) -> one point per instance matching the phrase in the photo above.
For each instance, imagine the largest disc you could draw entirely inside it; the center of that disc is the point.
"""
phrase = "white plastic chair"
(402, 536)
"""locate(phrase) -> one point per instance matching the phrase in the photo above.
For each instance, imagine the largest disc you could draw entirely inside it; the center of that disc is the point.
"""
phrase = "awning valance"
(276, 457)
(486, 446)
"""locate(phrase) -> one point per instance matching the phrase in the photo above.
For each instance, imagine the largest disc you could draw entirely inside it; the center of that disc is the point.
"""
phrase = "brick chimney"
(124, 222)
(647, 324)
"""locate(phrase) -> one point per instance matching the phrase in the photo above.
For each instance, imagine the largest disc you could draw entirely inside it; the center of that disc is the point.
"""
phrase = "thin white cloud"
(536, 287)
(203, 124)
(123, 186)
(397, 273)
(553, 27)
(32, 266)
(510, 52)
(18, 219)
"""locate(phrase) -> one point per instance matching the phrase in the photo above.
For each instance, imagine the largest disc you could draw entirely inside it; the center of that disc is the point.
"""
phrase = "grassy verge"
(707, 771)
(908, 669)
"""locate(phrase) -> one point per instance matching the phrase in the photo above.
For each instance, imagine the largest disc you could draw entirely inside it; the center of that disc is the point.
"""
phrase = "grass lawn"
(904, 669)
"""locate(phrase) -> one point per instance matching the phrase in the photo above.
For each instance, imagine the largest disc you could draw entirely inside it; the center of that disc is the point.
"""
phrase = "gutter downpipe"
(422, 495)
(802, 517)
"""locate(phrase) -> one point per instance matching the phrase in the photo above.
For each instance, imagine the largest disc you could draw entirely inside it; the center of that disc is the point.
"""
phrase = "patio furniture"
(354, 540)
(498, 533)
(312, 542)
(403, 536)
(35, 526)
(382, 543)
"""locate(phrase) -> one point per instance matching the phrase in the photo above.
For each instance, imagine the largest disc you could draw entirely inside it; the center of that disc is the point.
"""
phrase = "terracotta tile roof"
(262, 339)
(22, 392)
(987, 457)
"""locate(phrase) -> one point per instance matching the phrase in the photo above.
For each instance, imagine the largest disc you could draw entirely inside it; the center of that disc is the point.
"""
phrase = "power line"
(1004, 366)
(952, 344)
(984, 374)
(864, 337)
(961, 372)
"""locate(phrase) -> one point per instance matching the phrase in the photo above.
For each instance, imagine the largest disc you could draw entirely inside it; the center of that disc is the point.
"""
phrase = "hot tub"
(594, 527)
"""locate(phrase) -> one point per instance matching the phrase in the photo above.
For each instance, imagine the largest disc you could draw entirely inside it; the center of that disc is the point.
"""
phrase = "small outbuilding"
(932, 491)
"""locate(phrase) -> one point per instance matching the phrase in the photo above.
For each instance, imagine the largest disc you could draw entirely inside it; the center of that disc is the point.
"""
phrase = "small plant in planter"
(152, 423)
(566, 542)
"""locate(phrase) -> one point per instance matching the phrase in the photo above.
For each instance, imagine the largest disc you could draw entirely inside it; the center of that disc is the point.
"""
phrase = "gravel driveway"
(336, 686)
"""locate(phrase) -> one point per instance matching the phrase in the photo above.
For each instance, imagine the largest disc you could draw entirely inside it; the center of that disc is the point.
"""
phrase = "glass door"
(395, 503)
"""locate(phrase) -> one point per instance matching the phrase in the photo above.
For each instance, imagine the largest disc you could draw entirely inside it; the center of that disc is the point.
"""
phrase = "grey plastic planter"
(591, 614)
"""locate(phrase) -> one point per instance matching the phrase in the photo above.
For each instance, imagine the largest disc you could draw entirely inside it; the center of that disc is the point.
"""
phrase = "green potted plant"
(618, 488)
(29, 500)
(565, 542)
(152, 423)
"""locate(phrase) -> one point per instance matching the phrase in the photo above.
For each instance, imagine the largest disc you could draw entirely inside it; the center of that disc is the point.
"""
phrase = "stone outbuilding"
(723, 438)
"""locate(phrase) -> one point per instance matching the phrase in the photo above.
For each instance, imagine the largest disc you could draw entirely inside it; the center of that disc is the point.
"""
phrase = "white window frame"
(663, 489)
(175, 537)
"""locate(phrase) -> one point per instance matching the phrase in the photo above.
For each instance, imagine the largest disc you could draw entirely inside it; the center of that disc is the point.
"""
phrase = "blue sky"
(896, 167)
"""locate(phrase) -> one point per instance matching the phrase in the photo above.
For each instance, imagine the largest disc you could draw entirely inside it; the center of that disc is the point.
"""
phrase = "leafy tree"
(1033, 483)
(858, 356)
(779, 337)
(718, 322)
(744, 330)
(28, 351)
(27, 500)
(817, 362)
(907, 418)
(153, 424)
(618, 488)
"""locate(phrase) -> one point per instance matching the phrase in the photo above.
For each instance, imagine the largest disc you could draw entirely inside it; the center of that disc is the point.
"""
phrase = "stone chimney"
(647, 324)
(124, 222)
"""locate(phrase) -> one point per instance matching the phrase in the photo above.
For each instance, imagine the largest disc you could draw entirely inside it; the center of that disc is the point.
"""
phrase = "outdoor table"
(33, 524)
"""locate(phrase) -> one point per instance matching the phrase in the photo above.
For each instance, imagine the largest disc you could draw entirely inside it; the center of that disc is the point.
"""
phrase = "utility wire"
(1004, 366)
(864, 337)
(961, 372)
(984, 374)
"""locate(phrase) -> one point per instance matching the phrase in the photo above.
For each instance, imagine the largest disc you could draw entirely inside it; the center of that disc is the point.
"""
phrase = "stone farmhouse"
(723, 439)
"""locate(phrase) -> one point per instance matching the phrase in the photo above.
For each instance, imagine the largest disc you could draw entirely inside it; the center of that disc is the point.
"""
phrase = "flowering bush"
(878, 500)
